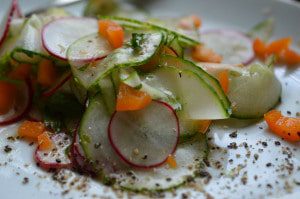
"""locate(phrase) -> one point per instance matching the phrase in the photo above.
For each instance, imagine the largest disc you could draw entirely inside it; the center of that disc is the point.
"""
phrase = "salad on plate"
(128, 99)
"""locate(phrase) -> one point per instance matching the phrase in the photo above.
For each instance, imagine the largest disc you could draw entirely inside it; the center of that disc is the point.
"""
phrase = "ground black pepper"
(265, 144)
(269, 164)
(25, 180)
(232, 145)
(233, 134)
(277, 143)
(7, 149)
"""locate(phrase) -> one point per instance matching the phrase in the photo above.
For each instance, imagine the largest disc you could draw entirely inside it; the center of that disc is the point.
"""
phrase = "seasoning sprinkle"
(7, 149)
(25, 180)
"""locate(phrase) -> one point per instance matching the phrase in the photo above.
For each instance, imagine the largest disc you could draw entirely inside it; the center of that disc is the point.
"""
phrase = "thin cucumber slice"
(78, 90)
(253, 90)
(131, 78)
(188, 128)
(27, 47)
(93, 137)
(189, 159)
(181, 64)
(30, 37)
(198, 99)
(136, 24)
(88, 74)
(109, 96)
(26, 56)
(94, 141)
(89, 48)
(175, 45)
(254, 93)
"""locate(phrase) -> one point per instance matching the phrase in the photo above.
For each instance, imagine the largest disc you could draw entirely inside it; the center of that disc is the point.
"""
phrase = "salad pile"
(129, 101)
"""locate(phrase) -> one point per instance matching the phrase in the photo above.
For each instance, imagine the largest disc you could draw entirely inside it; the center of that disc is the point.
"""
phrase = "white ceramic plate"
(243, 177)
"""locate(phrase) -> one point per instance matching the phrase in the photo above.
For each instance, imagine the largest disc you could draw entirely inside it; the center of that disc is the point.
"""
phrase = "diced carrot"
(197, 21)
(7, 96)
(259, 48)
(287, 128)
(203, 54)
(190, 22)
(277, 46)
(115, 36)
(290, 57)
(103, 26)
(44, 141)
(112, 31)
(168, 51)
(46, 73)
(31, 130)
(22, 72)
(223, 78)
(204, 125)
(130, 99)
(171, 162)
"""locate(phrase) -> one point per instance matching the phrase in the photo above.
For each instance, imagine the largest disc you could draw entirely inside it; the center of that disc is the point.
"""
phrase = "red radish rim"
(46, 165)
(46, 47)
(65, 77)
(13, 8)
(233, 32)
(137, 165)
(22, 114)
(78, 157)
(18, 10)
(174, 51)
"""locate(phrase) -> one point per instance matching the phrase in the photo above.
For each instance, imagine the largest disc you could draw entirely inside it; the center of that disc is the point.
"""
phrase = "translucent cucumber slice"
(88, 74)
(255, 93)
(182, 64)
(198, 99)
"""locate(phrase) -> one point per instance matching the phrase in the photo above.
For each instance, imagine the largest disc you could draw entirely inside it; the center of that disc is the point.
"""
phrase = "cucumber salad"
(128, 98)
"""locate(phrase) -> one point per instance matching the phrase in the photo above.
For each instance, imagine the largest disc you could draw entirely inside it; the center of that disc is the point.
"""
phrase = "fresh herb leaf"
(4, 65)
(62, 109)
(137, 40)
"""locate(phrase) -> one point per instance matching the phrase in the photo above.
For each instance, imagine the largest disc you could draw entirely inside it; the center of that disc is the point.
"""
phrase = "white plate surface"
(243, 177)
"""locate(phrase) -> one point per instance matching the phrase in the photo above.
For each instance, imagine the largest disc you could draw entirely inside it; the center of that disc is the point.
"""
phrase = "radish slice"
(59, 34)
(13, 12)
(139, 140)
(22, 105)
(93, 139)
(59, 83)
(79, 160)
(235, 47)
(89, 48)
(57, 158)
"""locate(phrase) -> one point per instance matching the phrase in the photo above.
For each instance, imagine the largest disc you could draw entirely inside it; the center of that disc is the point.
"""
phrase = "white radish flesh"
(139, 140)
(58, 35)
